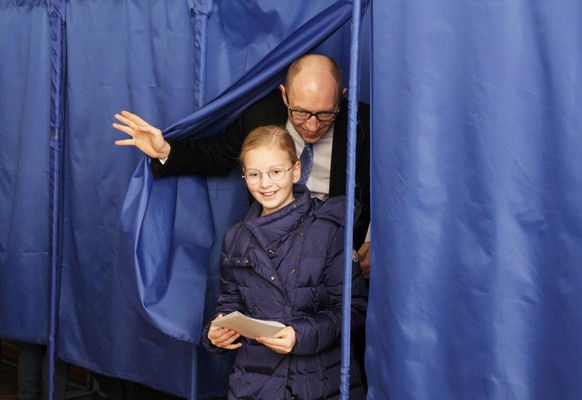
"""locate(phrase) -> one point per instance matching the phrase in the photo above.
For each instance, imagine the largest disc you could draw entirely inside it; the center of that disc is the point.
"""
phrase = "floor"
(9, 386)
(81, 383)
(131, 391)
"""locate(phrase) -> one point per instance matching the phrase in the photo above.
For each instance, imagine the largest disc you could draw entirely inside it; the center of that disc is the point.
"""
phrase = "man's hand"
(364, 256)
(144, 136)
(282, 343)
(223, 337)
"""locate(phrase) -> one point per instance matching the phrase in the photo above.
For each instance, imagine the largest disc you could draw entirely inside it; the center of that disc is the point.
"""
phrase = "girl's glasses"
(276, 174)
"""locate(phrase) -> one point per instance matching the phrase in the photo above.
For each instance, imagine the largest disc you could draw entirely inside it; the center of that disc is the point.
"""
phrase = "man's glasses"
(322, 116)
(276, 174)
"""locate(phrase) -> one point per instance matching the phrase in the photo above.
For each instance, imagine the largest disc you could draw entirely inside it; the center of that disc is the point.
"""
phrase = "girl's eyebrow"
(271, 167)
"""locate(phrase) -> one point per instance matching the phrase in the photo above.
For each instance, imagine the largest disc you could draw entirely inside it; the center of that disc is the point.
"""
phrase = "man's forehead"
(314, 99)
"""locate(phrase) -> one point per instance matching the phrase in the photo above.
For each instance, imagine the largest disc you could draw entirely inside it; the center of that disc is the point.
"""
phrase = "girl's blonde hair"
(272, 136)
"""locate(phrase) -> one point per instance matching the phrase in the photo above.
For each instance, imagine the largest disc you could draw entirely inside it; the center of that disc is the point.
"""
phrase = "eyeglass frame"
(244, 176)
(311, 114)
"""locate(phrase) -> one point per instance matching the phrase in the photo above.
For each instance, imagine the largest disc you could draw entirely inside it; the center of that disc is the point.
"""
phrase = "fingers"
(129, 127)
(366, 270)
(282, 343)
(125, 142)
(364, 256)
(126, 119)
(227, 342)
(124, 128)
(131, 121)
(223, 337)
(365, 266)
(135, 118)
(233, 346)
(217, 317)
(278, 345)
(364, 250)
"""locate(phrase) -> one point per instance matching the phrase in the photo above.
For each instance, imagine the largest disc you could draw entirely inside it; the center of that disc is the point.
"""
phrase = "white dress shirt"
(318, 182)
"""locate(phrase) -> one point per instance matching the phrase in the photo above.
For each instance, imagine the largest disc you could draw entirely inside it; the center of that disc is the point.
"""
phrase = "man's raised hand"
(144, 136)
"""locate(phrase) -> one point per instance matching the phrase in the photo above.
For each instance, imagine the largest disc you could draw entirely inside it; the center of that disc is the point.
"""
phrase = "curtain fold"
(119, 54)
(474, 291)
(25, 132)
(142, 57)
(166, 284)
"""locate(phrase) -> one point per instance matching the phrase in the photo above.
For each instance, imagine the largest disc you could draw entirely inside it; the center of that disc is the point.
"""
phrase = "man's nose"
(312, 123)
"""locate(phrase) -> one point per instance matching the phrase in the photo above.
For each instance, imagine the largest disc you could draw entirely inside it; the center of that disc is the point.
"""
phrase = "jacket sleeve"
(339, 165)
(219, 154)
(362, 189)
(229, 299)
(322, 330)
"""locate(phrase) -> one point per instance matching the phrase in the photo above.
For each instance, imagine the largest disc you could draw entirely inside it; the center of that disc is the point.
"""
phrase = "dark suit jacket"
(218, 155)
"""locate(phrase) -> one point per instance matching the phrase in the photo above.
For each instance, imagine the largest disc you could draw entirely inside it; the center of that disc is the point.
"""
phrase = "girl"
(284, 262)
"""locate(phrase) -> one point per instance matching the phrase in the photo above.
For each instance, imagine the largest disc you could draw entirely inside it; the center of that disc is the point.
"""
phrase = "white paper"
(249, 327)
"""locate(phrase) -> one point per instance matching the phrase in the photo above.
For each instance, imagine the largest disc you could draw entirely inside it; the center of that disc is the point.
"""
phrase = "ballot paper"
(249, 327)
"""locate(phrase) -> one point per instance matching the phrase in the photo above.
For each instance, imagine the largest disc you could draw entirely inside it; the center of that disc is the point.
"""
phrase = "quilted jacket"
(288, 266)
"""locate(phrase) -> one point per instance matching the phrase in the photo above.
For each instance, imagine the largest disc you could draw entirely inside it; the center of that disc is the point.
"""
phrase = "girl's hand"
(282, 343)
(223, 337)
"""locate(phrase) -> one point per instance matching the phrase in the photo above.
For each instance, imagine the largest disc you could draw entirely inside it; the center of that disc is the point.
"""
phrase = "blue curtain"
(143, 57)
(168, 279)
(120, 55)
(476, 208)
(25, 93)
(476, 233)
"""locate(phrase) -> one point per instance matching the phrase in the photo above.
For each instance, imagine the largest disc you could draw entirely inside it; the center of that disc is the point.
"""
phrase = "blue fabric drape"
(350, 207)
(147, 70)
(477, 219)
(167, 284)
(25, 95)
(135, 55)
(117, 55)
(57, 15)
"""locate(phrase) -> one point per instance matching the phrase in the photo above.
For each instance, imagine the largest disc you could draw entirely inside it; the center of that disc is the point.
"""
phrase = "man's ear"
(283, 94)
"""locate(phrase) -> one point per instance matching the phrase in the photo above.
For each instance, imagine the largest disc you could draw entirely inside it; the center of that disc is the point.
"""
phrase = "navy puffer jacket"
(288, 267)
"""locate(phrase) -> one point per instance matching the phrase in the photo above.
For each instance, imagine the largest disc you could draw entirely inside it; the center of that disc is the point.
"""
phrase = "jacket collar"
(271, 230)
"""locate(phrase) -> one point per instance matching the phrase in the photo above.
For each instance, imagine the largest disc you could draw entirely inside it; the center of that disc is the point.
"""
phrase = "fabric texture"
(150, 67)
(287, 266)
(477, 219)
(306, 162)
(25, 132)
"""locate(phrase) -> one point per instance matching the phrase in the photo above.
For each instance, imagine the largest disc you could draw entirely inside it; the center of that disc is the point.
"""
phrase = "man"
(310, 105)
